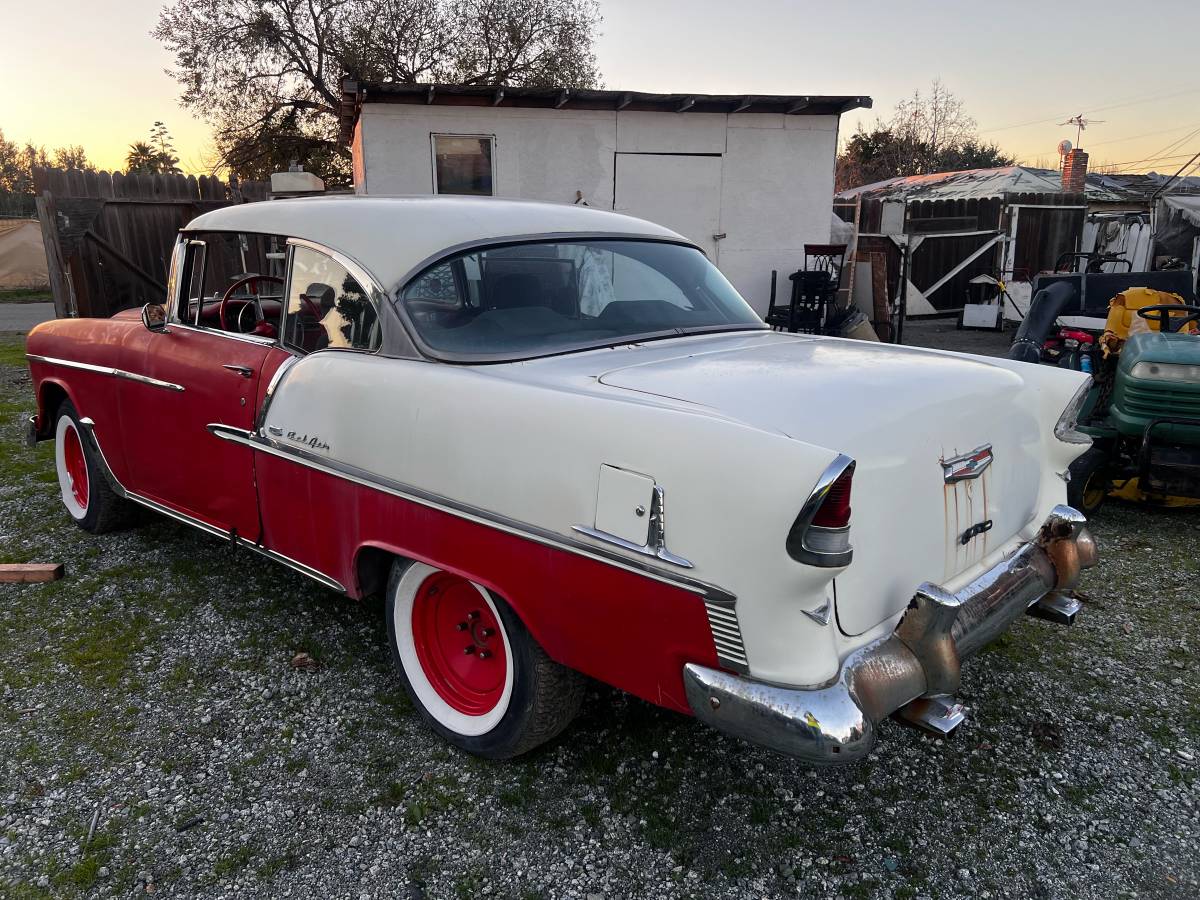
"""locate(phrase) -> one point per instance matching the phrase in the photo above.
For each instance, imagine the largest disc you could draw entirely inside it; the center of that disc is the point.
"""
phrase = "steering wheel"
(1165, 316)
(233, 288)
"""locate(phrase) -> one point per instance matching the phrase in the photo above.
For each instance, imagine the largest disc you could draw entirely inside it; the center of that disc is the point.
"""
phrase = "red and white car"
(484, 409)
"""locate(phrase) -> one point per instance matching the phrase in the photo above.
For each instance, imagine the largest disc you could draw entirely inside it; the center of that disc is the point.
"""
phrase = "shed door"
(680, 191)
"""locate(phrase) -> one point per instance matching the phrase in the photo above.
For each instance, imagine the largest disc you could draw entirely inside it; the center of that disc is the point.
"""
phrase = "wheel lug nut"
(468, 650)
(473, 615)
(461, 626)
(485, 654)
(487, 632)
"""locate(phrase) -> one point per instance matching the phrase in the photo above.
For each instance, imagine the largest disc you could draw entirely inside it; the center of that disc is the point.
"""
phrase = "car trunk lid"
(908, 418)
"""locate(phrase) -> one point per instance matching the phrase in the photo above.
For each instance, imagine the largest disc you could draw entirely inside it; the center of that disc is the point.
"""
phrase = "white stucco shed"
(748, 178)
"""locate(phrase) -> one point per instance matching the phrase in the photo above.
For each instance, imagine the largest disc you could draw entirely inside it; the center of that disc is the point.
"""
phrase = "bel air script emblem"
(968, 466)
(311, 441)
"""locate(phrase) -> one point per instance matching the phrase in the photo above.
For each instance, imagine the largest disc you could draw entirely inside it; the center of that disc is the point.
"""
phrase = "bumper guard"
(837, 723)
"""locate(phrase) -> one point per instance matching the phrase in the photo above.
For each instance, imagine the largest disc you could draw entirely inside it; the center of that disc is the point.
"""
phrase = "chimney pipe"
(1074, 173)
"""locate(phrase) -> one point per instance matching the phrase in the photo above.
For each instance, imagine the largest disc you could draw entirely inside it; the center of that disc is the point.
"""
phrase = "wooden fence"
(108, 236)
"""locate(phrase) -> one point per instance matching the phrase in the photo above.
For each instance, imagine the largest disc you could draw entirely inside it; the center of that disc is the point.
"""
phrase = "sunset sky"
(79, 72)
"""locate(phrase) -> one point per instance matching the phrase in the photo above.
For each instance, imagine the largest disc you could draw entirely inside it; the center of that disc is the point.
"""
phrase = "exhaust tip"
(1056, 608)
(940, 716)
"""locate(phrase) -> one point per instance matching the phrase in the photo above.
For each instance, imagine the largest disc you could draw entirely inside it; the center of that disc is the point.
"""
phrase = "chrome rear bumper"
(836, 723)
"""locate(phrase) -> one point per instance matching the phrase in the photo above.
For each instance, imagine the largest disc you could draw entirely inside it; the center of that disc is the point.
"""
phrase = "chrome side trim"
(272, 386)
(232, 335)
(967, 466)
(465, 511)
(797, 547)
(106, 370)
(89, 430)
(656, 537)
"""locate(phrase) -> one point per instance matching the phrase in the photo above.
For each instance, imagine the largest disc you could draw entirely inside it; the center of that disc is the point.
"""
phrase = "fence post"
(60, 281)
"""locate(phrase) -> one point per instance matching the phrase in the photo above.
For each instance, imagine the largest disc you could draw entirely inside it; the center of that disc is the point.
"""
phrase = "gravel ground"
(153, 693)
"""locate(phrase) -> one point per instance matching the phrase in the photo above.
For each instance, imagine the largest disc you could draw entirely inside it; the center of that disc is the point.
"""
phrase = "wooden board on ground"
(29, 573)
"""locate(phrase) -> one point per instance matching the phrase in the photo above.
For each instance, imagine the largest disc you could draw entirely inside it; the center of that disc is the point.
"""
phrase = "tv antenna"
(1081, 124)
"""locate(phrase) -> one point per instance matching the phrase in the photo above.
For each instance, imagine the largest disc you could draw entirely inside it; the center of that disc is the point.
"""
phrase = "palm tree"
(142, 159)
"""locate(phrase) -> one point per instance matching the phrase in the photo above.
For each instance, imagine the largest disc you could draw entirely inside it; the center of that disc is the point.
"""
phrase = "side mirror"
(154, 317)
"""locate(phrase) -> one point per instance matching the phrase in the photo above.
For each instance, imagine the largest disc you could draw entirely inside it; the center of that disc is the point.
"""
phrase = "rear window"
(541, 298)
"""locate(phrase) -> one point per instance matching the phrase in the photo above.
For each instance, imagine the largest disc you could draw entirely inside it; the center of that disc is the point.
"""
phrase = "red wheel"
(471, 667)
(459, 643)
(72, 469)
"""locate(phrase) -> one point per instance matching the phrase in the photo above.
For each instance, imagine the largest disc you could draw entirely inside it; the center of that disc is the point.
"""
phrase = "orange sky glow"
(101, 81)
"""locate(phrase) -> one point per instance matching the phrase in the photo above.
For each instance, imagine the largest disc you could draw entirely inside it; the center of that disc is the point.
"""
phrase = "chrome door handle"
(244, 371)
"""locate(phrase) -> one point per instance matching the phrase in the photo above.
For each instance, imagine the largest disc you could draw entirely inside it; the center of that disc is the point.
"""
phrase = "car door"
(173, 457)
(197, 376)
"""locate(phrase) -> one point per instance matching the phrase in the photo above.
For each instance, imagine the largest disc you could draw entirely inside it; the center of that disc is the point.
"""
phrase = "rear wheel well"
(372, 568)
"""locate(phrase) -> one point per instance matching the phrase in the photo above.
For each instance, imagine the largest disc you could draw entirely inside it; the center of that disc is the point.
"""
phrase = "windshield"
(536, 299)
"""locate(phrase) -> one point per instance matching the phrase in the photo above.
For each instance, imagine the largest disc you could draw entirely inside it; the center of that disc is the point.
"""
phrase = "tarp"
(1187, 205)
(22, 256)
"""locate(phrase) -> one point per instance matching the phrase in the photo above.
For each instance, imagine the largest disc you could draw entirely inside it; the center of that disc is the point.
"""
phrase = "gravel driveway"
(157, 693)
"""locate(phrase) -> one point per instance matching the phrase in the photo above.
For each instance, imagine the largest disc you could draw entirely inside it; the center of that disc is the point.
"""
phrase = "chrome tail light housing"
(820, 536)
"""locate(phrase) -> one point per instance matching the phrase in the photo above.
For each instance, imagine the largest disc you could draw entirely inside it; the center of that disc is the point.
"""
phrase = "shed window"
(462, 164)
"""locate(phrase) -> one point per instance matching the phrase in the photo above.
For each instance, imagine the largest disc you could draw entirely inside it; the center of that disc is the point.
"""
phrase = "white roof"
(391, 236)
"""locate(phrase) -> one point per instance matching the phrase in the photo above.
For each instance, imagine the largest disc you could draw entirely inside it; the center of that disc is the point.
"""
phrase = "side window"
(232, 282)
(462, 164)
(327, 307)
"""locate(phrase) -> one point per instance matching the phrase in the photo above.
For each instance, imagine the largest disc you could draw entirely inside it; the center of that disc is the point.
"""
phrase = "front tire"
(85, 491)
(1090, 481)
(471, 667)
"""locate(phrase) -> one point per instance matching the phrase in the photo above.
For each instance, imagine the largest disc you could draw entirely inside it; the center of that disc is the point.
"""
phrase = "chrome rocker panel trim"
(106, 370)
(837, 722)
(89, 432)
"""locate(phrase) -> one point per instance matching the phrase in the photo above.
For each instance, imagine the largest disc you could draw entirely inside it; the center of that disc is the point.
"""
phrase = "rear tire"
(1090, 481)
(501, 699)
(85, 490)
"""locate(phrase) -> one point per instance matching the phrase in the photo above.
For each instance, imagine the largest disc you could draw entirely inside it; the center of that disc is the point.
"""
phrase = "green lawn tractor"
(1136, 333)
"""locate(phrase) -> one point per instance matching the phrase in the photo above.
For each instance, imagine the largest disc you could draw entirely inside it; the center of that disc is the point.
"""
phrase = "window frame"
(396, 299)
(376, 295)
(188, 240)
(490, 138)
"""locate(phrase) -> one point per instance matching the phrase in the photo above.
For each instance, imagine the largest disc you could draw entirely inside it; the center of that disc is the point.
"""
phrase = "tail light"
(820, 536)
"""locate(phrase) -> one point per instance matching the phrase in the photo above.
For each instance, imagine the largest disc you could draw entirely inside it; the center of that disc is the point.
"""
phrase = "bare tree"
(927, 133)
(266, 73)
(927, 126)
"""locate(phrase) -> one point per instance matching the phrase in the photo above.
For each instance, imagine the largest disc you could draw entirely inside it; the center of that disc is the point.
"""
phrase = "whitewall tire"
(471, 667)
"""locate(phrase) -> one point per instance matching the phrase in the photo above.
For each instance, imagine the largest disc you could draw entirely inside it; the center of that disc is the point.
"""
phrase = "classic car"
(484, 409)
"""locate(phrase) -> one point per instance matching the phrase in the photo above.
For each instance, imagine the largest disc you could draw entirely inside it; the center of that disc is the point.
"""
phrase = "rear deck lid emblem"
(968, 465)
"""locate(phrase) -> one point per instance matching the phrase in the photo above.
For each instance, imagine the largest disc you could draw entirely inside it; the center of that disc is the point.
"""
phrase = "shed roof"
(980, 183)
(356, 93)
(392, 236)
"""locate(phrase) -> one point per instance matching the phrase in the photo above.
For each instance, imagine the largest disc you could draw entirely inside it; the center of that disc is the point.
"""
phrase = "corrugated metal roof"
(355, 93)
(980, 183)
